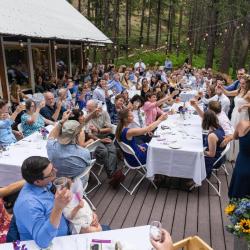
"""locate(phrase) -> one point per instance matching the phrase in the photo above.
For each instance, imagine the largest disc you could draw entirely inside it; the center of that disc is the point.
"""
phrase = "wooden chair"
(192, 243)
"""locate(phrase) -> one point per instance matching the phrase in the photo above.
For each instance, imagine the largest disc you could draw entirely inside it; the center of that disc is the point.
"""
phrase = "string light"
(225, 30)
(115, 47)
(21, 43)
(87, 47)
(188, 38)
(206, 35)
(242, 25)
(142, 45)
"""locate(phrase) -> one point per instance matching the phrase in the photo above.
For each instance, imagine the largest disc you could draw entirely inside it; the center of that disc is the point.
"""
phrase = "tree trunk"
(106, 16)
(172, 23)
(149, 20)
(142, 22)
(88, 9)
(158, 23)
(127, 26)
(179, 30)
(213, 19)
(79, 6)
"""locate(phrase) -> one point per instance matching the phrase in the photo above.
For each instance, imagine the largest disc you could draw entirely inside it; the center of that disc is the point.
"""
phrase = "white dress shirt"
(223, 99)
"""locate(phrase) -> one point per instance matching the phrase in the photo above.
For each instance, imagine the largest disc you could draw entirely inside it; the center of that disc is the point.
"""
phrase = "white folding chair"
(85, 173)
(92, 147)
(141, 169)
(223, 166)
(20, 127)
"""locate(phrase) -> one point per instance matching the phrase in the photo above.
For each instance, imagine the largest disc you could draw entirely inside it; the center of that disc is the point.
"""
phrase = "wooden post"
(83, 58)
(31, 66)
(50, 59)
(3, 72)
(53, 58)
(69, 60)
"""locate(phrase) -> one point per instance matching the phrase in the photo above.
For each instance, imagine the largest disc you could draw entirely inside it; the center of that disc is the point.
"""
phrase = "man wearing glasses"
(38, 211)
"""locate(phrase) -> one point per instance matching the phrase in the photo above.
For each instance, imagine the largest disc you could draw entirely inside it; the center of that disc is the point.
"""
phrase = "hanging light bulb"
(220, 34)
(206, 35)
(55, 46)
(87, 47)
(21, 43)
(188, 38)
(142, 45)
(225, 30)
(241, 24)
(237, 27)
(115, 47)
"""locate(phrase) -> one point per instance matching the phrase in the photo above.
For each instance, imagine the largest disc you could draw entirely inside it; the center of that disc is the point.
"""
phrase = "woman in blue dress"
(239, 186)
(32, 121)
(213, 142)
(127, 135)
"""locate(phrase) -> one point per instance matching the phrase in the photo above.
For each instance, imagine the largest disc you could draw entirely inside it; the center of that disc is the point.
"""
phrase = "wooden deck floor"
(182, 213)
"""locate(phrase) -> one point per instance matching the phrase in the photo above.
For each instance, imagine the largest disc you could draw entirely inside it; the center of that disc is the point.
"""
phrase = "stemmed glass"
(155, 231)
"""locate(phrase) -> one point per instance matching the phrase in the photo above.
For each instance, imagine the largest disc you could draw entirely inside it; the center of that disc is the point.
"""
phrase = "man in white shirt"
(101, 92)
(220, 97)
(140, 67)
(224, 121)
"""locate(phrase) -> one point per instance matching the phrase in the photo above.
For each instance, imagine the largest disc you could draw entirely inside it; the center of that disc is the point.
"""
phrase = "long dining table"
(11, 160)
(177, 148)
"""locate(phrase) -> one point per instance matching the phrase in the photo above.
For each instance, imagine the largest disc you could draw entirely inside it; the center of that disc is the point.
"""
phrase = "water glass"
(60, 183)
(155, 231)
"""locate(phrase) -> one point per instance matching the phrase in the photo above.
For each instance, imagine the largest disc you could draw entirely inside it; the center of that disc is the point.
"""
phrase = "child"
(78, 212)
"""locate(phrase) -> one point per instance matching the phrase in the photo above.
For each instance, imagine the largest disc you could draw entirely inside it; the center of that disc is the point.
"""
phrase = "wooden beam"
(3, 72)
(53, 58)
(83, 59)
(31, 66)
(69, 60)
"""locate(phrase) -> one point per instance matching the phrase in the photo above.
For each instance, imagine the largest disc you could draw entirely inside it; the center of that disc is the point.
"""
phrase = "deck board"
(183, 214)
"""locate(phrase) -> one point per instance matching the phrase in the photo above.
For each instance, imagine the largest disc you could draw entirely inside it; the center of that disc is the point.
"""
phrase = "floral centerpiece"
(238, 212)
(183, 110)
(44, 132)
(18, 246)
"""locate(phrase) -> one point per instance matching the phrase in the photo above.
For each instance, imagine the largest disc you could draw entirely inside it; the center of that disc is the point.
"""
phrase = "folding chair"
(141, 169)
(92, 147)
(85, 173)
(223, 166)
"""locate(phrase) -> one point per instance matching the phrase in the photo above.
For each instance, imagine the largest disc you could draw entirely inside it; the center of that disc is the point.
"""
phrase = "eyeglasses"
(52, 173)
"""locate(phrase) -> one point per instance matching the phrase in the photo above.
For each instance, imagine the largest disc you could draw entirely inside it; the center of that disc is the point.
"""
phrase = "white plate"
(175, 146)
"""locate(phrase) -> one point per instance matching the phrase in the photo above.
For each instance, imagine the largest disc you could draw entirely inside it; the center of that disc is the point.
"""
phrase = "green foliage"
(150, 58)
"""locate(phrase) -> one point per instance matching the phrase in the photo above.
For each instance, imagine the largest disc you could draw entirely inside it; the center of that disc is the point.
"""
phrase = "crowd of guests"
(87, 108)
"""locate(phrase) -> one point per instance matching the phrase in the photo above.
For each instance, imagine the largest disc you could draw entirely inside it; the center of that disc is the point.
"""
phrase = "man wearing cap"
(65, 148)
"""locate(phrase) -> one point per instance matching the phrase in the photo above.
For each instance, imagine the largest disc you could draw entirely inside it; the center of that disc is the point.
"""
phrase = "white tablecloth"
(11, 160)
(185, 162)
(133, 238)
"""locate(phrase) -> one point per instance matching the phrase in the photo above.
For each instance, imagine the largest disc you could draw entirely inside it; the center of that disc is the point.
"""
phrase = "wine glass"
(155, 231)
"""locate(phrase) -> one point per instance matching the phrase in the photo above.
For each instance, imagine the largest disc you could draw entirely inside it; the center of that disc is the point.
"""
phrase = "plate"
(175, 146)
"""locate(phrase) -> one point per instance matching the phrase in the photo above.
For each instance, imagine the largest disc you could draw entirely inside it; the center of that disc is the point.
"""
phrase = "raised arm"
(11, 188)
(141, 131)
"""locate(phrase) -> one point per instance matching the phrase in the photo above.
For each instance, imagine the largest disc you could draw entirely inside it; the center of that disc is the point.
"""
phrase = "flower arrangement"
(238, 212)
(44, 132)
(17, 246)
(183, 110)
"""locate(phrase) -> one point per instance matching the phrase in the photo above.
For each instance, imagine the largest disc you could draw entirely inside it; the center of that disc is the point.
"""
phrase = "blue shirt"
(233, 86)
(117, 86)
(114, 116)
(168, 64)
(32, 210)
(70, 160)
(6, 135)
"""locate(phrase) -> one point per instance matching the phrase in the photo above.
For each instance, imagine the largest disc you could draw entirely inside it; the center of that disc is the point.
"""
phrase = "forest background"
(210, 33)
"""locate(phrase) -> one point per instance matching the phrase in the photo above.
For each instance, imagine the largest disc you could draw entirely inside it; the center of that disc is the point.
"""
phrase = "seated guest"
(52, 111)
(83, 95)
(151, 107)
(32, 121)
(127, 135)
(222, 118)
(113, 109)
(126, 81)
(16, 95)
(220, 97)
(6, 133)
(65, 148)
(39, 88)
(99, 127)
(116, 85)
(38, 212)
(5, 217)
(101, 92)
(214, 139)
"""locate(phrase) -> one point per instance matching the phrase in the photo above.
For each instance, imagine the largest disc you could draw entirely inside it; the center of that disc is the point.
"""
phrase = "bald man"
(52, 111)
